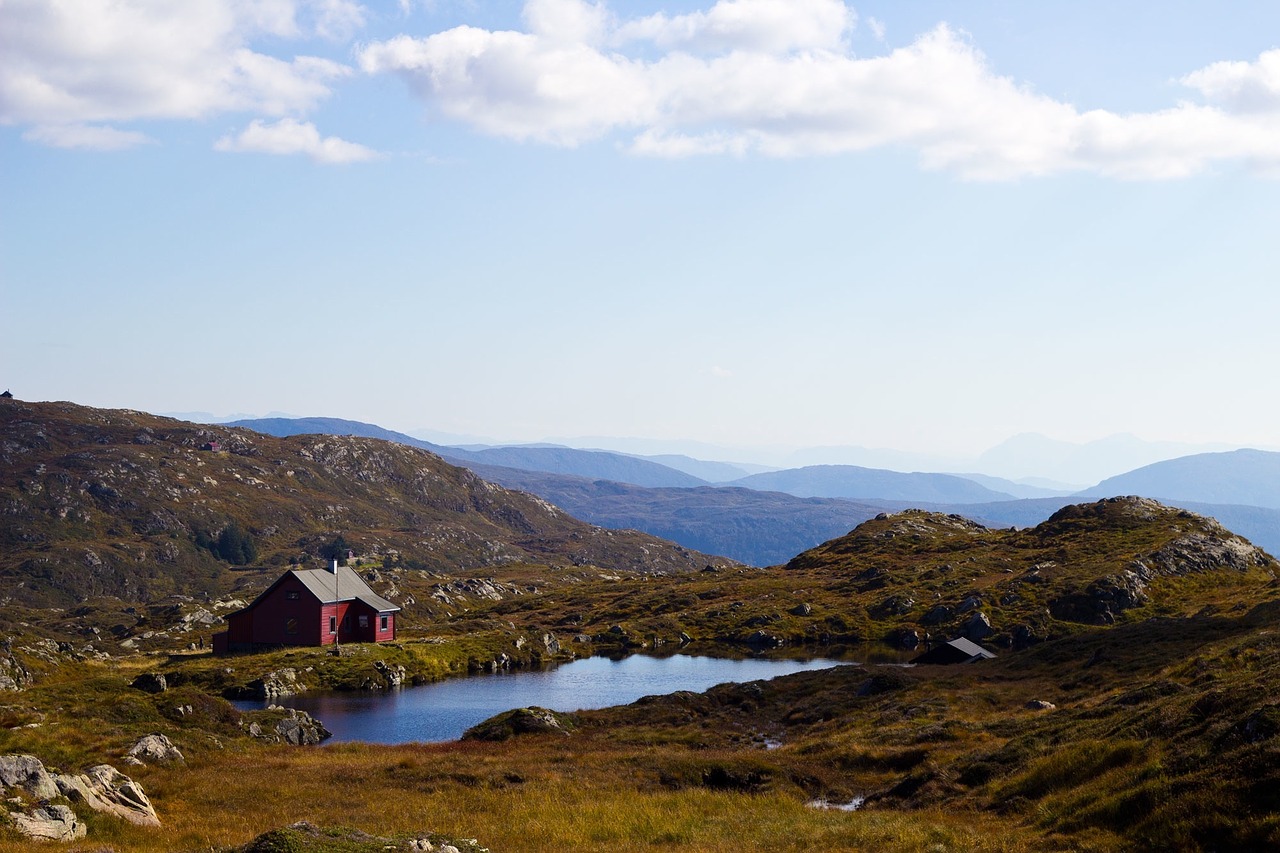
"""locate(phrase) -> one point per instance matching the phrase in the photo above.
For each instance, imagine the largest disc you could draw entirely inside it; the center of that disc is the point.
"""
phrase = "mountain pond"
(443, 710)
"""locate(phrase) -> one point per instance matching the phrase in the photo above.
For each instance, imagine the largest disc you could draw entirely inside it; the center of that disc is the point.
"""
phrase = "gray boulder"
(977, 627)
(282, 682)
(150, 682)
(27, 772)
(301, 729)
(50, 823)
(520, 721)
(105, 789)
(937, 615)
(155, 749)
(764, 640)
(394, 675)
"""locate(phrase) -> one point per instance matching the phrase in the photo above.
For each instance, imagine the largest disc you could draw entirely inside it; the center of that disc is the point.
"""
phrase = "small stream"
(444, 710)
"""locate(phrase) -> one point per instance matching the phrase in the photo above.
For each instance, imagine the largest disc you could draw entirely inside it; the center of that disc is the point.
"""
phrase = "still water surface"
(443, 711)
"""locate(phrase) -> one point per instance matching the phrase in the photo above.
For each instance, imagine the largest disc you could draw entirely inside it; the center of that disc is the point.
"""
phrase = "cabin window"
(346, 622)
(291, 626)
(382, 623)
(364, 620)
(333, 624)
(291, 595)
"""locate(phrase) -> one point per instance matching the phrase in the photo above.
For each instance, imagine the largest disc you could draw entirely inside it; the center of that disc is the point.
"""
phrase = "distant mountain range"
(764, 518)
(597, 464)
(1031, 454)
(754, 527)
(851, 481)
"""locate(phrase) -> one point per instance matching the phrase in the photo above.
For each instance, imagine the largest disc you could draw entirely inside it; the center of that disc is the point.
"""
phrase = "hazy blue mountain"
(873, 457)
(1018, 490)
(1032, 454)
(593, 464)
(851, 481)
(283, 427)
(1243, 477)
(204, 417)
(754, 527)
(711, 472)
(549, 458)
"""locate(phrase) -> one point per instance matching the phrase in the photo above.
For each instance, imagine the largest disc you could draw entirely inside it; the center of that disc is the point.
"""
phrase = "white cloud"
(290, 136)
(877, 28)
(777, 78)
(1250, 87)
(83, 61)
(720, 372)
(772, 26)
(85, 136)
(566, 20)
(518, 85)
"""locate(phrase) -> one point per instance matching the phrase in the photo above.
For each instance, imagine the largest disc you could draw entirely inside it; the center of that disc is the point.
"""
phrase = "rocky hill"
(1089, 564)
(115, 502)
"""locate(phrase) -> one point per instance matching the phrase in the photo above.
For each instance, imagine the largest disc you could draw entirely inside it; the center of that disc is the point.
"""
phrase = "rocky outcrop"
(521, 721)
(13, 675)
(289, 725)
(150, 682)
(27, 772)
(49, 823)
(938, 614)
(394, 675)
(1104, 599)
(977, 627)
(154, 749)
(905, 638)
(273, 685)
(1201, 553)
(764, 640)
(106, 789)
(101, 788)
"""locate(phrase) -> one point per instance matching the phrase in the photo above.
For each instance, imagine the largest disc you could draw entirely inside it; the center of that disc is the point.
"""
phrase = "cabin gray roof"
(959, 650)
(349, 586)
(972, 649)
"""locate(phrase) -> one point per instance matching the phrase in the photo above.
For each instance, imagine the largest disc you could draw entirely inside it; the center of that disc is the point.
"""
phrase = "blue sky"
(927, 225)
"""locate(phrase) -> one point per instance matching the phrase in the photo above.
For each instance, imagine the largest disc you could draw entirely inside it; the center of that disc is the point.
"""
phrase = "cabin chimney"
(334, 566)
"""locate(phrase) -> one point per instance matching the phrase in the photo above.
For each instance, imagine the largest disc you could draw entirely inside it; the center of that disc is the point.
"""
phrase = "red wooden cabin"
(311, 607)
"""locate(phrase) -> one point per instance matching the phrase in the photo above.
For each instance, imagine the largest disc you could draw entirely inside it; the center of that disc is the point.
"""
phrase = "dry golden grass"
(580, 803)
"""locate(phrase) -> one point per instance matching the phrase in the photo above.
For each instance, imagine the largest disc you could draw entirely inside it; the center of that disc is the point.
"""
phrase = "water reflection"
(443, 711)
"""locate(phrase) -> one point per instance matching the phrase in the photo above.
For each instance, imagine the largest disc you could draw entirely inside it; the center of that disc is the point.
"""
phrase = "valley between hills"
(1130, 704)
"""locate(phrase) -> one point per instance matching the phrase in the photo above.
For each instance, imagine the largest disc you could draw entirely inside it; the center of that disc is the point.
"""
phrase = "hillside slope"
(113, 502)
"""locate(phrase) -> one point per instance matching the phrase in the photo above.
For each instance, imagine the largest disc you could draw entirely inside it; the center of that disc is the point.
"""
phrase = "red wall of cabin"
(267, 622)
(271, 617)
